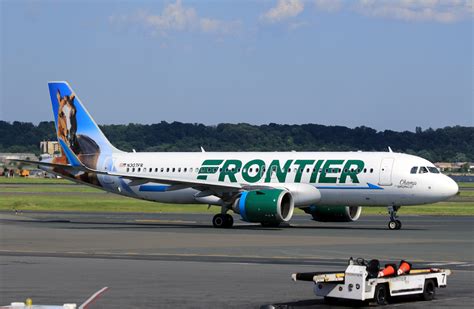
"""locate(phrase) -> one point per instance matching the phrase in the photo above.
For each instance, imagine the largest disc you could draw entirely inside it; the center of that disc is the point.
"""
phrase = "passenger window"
(414, 169)
(185, 169)
(128, 169)
(371, 170)
(423, 170)
(190, 169)
(139, 169)
(167, 169)
(365, 170)
(174, 169)
(289, 170)
(307, 170)
(150, 169)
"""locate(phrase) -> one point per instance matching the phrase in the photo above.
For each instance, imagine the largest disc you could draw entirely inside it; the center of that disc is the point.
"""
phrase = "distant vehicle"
(262, 187)
(24, 173)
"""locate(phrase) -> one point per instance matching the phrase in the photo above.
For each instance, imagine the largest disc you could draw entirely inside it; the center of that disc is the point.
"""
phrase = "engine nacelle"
(334, 213)
(268, 206)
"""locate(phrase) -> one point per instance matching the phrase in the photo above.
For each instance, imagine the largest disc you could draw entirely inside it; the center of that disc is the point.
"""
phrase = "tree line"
(452, 144)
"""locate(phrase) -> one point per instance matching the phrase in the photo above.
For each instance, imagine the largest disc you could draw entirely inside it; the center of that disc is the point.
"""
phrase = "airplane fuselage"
(343, 178)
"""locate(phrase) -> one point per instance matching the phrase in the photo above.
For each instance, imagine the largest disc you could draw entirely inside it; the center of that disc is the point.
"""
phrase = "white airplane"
(261, 187)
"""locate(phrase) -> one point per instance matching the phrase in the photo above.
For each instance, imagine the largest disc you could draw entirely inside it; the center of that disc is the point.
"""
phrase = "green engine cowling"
(268, 206)
(334, 213)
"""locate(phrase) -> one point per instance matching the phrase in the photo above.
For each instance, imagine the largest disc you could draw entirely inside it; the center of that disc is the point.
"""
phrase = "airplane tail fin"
(79, 136)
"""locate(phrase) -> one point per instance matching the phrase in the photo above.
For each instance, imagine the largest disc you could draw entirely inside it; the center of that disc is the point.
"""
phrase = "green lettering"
(280, 172)
(315, 172)
(208, 167)
(246, 170)
(351, 169)
(328, 167)
(301, 166)
(229, 169)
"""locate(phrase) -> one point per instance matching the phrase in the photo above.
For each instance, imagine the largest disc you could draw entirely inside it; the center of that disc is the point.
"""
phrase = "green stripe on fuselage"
(320, 171)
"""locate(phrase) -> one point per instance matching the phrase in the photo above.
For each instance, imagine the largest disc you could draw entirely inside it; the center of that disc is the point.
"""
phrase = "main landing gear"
(223, 220)
(394, 223)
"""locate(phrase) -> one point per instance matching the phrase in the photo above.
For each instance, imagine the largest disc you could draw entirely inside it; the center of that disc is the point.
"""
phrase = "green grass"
(466, 184)
(100, 203)
(50, 189)
(87, 199)
(28, 180)
(113, 203)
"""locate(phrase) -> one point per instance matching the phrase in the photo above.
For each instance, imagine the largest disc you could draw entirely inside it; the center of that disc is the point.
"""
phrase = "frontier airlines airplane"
(261, 187)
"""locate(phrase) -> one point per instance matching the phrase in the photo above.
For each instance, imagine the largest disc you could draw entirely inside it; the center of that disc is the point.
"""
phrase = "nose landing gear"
(394, 223)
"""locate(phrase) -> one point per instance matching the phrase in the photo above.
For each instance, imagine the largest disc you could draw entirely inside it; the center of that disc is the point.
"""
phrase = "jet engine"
(334, 213)
(268, 206)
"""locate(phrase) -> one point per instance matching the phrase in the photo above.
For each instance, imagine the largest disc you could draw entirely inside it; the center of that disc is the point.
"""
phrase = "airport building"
(49, 147)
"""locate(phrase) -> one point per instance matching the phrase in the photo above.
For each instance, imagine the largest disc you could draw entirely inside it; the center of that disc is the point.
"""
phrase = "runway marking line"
(163, 221)
(231, 257)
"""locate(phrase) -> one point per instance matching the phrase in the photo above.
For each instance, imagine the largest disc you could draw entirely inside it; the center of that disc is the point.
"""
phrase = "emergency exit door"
(385, 178)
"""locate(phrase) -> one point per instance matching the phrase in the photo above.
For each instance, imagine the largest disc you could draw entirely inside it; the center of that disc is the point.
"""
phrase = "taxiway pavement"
(179, 260)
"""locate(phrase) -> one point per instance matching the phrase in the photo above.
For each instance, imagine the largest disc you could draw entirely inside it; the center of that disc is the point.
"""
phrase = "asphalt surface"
(179, 260)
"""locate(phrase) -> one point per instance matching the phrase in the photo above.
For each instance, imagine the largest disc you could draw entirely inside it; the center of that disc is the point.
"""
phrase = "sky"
(385, 64)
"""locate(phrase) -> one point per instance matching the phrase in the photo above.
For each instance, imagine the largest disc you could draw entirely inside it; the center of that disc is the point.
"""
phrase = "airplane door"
(385, 178)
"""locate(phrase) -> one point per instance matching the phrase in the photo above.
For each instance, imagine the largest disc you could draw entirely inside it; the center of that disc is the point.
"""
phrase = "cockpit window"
(423, 170)
(414, 169)
(433, 170)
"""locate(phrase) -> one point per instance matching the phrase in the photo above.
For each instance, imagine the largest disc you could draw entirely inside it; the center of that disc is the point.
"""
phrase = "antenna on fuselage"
(202, 149)
(390, 149)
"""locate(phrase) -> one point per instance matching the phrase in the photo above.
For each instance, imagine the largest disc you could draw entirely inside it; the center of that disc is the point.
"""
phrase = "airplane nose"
(451, 187)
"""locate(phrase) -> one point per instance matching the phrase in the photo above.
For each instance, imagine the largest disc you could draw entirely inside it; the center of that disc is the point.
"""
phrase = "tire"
(429, 290)
(392, 225)
(381, 294)
(399, 224)
(229, 221)
(330, 300)
(218, 221)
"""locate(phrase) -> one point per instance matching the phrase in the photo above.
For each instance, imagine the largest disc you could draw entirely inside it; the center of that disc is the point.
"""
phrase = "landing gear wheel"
(394, 223)
(229, 221)
(429, 290)
(399, 224)
(222, 221)
(381, 294)
(218, 221)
